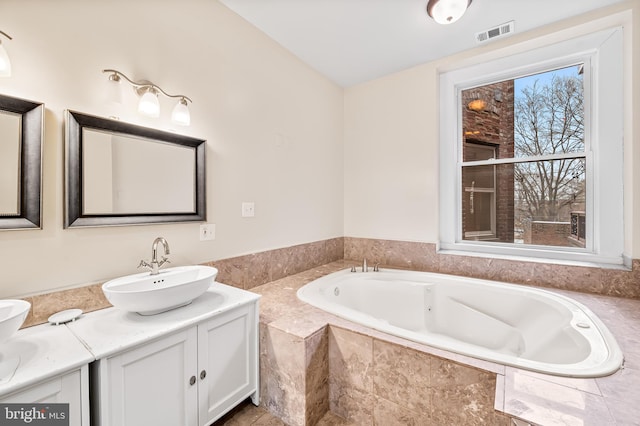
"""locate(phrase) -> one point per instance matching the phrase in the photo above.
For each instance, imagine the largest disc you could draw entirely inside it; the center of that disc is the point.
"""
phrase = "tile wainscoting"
(243, 272)
(260, 268)
(255, 269)
(423, 257)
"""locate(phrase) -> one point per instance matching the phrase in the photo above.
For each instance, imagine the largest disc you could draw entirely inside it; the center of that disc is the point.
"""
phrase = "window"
(479, 194)
(532, 145)
(533, 126)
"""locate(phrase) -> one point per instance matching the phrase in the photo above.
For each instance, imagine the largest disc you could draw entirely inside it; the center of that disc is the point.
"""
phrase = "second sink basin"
(12, 315)
(149, 294)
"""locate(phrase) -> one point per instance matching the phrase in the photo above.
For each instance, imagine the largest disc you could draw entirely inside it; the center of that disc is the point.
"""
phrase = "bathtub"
(508, 324)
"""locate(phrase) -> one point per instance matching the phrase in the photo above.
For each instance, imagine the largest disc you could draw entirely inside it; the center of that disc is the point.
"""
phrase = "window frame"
(604, 111)
(491, 233)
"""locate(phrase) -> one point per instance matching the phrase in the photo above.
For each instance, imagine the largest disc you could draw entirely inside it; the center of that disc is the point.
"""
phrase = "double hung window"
(531, 153)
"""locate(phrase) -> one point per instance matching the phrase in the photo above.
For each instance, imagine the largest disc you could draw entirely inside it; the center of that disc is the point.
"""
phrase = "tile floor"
(247, 414)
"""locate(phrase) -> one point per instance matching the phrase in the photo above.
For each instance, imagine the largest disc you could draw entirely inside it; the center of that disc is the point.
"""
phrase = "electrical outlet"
(248, 209)
(207, 232)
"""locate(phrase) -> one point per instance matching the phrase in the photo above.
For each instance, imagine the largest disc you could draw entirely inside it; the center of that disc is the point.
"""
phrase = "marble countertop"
(536, 398)
(46, 350)
(109, 331)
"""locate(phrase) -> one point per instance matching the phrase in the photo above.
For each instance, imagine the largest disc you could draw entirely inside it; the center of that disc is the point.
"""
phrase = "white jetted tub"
(509, 324)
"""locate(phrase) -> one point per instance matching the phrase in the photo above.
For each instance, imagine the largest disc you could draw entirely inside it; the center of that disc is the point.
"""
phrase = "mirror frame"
(76, 122)
(32, 127)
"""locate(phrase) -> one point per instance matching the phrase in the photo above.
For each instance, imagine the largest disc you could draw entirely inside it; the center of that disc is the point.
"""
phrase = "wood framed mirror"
(118, 173)
(21, 130)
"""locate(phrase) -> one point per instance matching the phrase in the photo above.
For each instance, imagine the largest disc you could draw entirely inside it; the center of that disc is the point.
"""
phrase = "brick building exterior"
(488, 191)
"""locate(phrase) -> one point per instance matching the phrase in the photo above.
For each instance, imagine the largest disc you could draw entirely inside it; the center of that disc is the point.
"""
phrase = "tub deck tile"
(533, 397)
(543, 402)
(582, 384)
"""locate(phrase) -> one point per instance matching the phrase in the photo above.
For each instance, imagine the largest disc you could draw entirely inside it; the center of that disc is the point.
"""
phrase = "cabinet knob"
(192, 380)
(203, 374)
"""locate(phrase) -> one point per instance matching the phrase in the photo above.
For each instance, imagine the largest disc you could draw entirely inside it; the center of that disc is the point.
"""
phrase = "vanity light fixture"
(180, 114)
(447, 11)
(114, 91)
(5, 63)
(149, 103)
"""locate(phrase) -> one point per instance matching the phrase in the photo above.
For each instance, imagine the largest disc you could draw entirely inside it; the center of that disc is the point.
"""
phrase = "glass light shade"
(149, 104)
(180, 114)
(5, 63)
(447, 11)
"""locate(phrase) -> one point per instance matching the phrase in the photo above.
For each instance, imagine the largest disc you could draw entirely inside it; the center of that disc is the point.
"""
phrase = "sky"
(543, 78)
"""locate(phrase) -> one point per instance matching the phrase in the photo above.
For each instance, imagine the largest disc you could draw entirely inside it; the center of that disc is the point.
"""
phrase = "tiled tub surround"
(311, 360)
(372, 381)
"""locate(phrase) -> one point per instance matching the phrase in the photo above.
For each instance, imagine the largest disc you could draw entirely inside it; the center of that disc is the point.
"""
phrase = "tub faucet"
(156, 264)
(365, 268)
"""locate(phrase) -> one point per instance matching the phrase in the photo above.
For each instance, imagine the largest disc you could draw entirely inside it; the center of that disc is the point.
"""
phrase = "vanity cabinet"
(227, 362)
(190, 377)
(71, 388)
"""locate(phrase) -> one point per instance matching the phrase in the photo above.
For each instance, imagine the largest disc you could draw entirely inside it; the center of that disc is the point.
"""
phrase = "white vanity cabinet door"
(154, 384)
(227, 361)
(188, 378)
(71, 388)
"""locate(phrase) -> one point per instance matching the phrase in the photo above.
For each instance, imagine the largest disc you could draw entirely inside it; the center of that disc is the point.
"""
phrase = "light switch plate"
(207, 232)
(248, 209)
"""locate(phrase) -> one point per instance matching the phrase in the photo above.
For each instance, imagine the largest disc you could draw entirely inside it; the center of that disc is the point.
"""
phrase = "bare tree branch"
(549, 119)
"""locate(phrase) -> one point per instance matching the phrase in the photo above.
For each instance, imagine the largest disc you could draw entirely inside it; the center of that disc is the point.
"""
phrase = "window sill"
(543, 256)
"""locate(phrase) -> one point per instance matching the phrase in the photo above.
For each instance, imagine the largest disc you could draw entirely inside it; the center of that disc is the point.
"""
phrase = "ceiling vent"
(496, 32)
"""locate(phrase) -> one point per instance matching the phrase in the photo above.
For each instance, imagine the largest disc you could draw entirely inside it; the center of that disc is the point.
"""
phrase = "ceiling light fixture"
(149, 103)
(447, 11)
(5, 63)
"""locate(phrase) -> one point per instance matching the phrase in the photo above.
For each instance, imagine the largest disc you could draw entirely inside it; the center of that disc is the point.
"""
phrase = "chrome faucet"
(365, 267)
(156, 264)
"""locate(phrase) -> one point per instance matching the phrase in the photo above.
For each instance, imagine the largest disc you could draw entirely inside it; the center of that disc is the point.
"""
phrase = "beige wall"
(273, 128)
(391, 138)
(391, 157)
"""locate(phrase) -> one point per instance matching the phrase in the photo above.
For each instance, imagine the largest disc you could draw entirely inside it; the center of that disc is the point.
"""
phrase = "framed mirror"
(21, 129)
(119, 173)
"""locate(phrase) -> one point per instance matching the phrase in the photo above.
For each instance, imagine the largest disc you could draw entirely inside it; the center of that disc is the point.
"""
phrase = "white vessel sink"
(149, 294)
(13, 312)
(12, 316)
